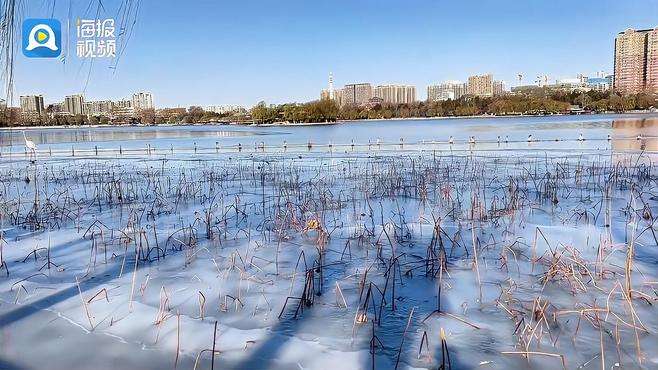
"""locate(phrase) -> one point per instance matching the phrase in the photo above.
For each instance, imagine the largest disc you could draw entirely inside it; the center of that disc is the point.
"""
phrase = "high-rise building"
(32, 104)
(123, 107)
(142, 100)
(636, 61)
(331, 86)
(452, 90)
(577, 84)
(356, 94)
(498, 88)
(123, 103)
(328, 93)
(99, 107)
(395, 94)
(74, 104)
(600, 84)
(338, 96)
(652, 61)
(438, 93)
(481, 85)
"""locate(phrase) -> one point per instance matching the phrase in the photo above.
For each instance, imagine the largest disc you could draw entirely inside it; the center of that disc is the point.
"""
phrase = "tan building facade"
(498, 88)
(636, 61)
(356, 94)
(32, 104)
(450, 90)
(74, 104)
(481, 85)
(395, 94)
(652, 61)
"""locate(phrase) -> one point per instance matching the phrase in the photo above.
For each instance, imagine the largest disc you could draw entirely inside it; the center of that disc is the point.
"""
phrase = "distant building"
(99, 107)
(123, 103)
(600, 84)
(330, 91)
(32, 104)
(578, 84)
(652, 61)
(338, 97)
(395, 94)
(142, 100)
(498, 88)
(223, 109)
(356, 94)
(437, 93)
(481, 85)
(123, 107)
(636, 61)
(448, 90)
(74, 104)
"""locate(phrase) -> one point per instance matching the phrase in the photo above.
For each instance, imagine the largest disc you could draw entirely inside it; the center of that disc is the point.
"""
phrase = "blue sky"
(240, 52)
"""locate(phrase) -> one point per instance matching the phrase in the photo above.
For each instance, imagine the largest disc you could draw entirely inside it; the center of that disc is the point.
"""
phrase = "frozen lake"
(507, 255)
(595, 128)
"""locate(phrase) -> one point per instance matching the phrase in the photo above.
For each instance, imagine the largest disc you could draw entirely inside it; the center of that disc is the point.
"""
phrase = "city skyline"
(221, 59)
(435, 91)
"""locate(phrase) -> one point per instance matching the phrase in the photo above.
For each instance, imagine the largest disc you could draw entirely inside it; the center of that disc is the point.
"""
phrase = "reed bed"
(419, 259)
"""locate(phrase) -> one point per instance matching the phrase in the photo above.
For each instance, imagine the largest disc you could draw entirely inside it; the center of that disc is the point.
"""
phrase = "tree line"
(193, 114)
(537, 101)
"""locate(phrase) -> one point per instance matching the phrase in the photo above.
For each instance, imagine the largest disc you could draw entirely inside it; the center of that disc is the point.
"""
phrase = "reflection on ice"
(635, 134)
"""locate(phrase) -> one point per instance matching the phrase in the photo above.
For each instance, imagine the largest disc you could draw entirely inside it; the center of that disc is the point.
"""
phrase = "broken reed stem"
(84, 305)
(475, 261)
(214, 340)
(630, 254)
(202, 305)
(177, 339)
(132, 284)
(339, 292)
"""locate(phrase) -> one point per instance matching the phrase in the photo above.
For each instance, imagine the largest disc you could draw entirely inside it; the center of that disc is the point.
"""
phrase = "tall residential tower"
(395, 94)
(331, 86)
(636, 61)
(142, 100)
(452, 90)
(481, 85)
(32, 104)
(356, 94)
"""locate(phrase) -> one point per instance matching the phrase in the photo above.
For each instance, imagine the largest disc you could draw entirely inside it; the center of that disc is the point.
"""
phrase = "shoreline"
(337, 122)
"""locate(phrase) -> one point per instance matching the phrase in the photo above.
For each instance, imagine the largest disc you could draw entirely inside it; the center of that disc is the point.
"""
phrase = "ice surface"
(129, 261)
